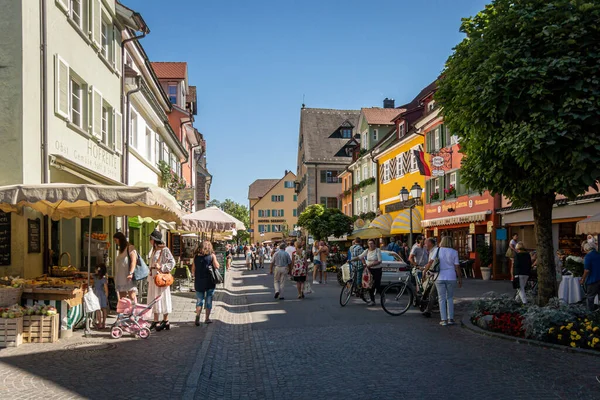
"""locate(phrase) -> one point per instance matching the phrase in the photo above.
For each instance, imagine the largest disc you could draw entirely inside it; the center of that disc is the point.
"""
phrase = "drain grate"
(91, 347)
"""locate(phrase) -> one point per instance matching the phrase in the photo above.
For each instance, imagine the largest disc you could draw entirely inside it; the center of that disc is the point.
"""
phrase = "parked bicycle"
(353, 287)
(397, 298)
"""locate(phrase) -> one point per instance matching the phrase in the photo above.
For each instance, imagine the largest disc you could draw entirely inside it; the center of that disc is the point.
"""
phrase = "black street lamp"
(415, 194)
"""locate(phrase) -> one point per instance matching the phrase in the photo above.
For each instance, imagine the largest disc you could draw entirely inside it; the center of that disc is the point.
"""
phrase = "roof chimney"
(388, 103)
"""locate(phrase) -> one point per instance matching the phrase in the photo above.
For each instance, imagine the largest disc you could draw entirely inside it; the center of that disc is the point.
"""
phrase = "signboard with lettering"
(33, 236)
(5, 243)
(86, 152)
(176, 245)
(185, 194)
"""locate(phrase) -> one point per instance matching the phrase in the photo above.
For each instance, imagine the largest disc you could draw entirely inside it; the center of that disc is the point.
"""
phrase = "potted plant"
(485, 260)
(434, 196)
(450, 192)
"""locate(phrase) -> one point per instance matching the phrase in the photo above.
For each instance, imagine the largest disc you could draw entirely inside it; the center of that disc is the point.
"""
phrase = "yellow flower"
(589, 328)
(573, 344)
(562, 327)
(551, 330)
(577, 337)
(559, 337)
(590, 344)
(573, 333)
(596, 329)
(570, 325)
(595, 340)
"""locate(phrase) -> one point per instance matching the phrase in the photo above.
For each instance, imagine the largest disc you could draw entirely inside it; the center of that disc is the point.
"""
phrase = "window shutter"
(323, 176)
(62, 101)
(63, 5)
(118, 130)
(96, 113)
(96, 24)
(281, 213)
(117, 63)
(447, 140)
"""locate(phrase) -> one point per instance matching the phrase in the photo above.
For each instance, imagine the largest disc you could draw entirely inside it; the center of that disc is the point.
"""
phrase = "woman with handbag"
(299, 268)
(124, 267)
(159, 280)
(521, 269)
(204, 281)
(448, 273)
(372, 258)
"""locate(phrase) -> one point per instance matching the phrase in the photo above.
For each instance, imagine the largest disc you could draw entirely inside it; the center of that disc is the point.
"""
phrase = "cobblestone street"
(262, 348)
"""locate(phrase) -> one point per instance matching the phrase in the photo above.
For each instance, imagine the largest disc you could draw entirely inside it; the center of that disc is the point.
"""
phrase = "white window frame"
(437, 139)
(431, 105)
(166, 154)
(149, 141)
(452, 179)
(375, 134)
(373, 203)
(76, 9)
(105, 39)
(63, 5)
(414, 166)
(357, 176)
(81, 90)
(401, 128)
(357, 210)
(400, 165)
(436, 185)
(365, 200)
(374, 169)
(365, 172)
(365, 139)
(157, 148)
(105, 125)
(118, 132)
(133, 133)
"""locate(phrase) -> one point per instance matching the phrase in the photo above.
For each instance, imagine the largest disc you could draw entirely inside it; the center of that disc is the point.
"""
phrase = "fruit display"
(98, 236)
(17, 311)
(64, 271)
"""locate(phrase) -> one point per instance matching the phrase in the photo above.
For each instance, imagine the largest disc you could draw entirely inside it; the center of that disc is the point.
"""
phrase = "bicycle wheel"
(340, 277)
(396, 298)
(346, 293)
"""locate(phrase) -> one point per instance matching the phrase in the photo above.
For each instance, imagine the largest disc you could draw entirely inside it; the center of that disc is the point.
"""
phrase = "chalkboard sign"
(5, 238)
(33, 236)
(176, 248)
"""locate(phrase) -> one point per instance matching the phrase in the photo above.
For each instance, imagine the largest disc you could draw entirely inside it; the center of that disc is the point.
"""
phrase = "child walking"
(101, 291)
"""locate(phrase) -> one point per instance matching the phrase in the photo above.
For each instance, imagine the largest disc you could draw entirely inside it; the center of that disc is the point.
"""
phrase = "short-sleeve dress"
(166, 260)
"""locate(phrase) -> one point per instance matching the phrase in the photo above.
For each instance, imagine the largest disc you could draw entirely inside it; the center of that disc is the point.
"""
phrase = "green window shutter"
(281, 197)
(295, 197)
(281, 213)
(274, 212)
(295, 212)
(272, 197)
(323, 176)
(427, 190)
(323, 201)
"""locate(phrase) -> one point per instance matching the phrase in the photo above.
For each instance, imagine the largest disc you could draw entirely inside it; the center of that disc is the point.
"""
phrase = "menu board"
(33, 236)
(176, 245)
(5, 238)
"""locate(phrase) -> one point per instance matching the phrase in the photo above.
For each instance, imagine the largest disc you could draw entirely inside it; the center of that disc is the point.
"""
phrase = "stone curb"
(466, 323)
(191, 385)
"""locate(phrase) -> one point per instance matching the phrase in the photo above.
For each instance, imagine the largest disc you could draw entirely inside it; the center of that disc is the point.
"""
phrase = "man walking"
(591, 274)
(281, 263)
(261, 256)
(320, 263)
(393, 246)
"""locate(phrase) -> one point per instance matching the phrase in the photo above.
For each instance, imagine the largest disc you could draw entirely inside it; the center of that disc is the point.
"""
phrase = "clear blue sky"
(253, 61)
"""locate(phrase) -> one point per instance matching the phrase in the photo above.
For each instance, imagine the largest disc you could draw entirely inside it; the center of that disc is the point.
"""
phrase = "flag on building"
(423, 167)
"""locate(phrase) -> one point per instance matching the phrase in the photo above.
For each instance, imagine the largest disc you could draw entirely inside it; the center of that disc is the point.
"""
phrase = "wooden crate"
(40, 328)
(11, 332)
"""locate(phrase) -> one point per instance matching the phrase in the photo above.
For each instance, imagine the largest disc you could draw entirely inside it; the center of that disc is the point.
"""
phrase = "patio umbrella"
(211, 219)
(62, 200)
(589, 226)
(368, 233)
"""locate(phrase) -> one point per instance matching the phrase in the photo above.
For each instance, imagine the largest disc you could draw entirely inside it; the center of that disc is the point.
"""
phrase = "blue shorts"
(208, 295)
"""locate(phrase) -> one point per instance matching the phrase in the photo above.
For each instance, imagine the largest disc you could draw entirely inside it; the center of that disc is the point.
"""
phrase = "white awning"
(458, 219)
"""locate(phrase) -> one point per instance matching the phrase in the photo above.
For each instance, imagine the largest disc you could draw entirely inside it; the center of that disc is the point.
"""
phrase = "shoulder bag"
(215, 275)
(435, 267)
(162, 279)
(510, 253)
(141, 270)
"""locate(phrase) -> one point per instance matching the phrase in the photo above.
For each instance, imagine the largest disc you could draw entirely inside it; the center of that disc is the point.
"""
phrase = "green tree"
(522, 92)
(321, 222)
(238, 211)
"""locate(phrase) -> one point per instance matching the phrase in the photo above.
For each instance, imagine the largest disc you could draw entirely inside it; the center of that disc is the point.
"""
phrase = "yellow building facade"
(273, 213)
(398, 167)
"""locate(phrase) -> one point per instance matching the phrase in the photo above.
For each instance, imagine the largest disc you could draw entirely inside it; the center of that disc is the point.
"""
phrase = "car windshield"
(388, 256)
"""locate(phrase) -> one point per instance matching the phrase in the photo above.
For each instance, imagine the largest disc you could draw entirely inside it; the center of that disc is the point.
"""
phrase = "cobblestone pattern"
(357, 353)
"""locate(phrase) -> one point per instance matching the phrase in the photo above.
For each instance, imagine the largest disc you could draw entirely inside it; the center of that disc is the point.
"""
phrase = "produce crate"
(11, 332)
(40, 328)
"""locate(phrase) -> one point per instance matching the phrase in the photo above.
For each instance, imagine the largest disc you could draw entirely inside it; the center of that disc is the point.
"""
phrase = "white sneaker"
(315, 283)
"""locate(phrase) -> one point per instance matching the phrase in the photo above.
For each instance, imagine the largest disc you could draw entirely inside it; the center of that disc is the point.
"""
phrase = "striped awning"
(367, 233)
(401, 223)
(457, 219)
(383, 222)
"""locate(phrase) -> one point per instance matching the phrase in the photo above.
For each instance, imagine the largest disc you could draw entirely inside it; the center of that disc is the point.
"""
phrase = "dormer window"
(172, 93)
(401, 130)
(346, 133)
(431, 105)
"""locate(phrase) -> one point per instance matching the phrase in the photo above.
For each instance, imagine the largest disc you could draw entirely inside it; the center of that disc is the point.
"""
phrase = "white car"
(392, 266)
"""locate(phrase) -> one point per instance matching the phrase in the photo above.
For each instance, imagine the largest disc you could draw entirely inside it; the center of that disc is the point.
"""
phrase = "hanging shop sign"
(5, 243)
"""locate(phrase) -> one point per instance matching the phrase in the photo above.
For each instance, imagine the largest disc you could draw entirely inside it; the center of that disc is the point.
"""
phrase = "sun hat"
(157, 237)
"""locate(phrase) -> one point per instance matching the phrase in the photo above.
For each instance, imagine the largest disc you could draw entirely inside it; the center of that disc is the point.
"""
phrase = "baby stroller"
(131, 318)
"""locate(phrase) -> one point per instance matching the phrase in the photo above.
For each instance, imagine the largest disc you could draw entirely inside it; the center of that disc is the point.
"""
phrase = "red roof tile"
(170, 70)
(380, 116)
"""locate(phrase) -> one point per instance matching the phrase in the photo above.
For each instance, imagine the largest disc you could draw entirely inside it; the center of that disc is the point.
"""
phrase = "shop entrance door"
(459, 240)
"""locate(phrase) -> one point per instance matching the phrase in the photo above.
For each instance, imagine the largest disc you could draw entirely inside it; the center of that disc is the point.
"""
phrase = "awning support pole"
(89, 268)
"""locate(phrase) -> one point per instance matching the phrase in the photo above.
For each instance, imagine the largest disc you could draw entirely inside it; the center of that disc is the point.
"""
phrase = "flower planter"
(486, 273)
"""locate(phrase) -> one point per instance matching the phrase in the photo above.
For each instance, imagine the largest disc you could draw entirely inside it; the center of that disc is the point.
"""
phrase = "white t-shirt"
(448, 259)
(372, 256)
(290, 250)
